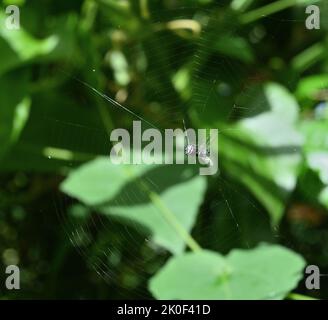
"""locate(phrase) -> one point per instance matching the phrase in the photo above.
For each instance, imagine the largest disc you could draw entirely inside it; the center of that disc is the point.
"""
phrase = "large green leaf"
(163, 199)
(99, 181)
(263, 151)
(180, 202)
(266, 272)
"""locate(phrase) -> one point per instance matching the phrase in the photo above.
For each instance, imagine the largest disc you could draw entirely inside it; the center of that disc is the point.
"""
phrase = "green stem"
(172, 220)
(144, 9)
(89, 11)
(296, 296)
(309, 57)
(170, 217)
(267, 10)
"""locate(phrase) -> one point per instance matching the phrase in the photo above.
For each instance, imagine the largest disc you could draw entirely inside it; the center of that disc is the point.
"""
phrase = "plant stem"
(309, 57)
(268, 10)
(144, 9)
(170, 218)
(296, 296)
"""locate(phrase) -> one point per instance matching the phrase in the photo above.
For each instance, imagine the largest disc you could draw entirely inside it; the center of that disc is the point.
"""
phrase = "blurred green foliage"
(80, 227)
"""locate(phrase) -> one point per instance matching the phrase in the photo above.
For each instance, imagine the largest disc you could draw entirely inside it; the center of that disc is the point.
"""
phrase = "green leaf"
(99, 181)
(316, 153)
(266, 272)
(309, 88)
(182, 201)
(281, 102)
(163, 199)
(270, 97)
(18, 46)
(263, 151)
(14, 111)
(315, 133)
(234, 47)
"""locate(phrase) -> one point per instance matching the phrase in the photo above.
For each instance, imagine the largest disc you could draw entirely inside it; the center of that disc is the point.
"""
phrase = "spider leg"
(185, 130)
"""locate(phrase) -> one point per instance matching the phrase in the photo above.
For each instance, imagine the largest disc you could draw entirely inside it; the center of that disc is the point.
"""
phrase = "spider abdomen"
(191, 149)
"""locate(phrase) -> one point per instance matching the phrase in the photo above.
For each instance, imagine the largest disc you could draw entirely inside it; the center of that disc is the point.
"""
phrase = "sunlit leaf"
(156, 197)
(266, 272)
(316, 153)
(99, 181)
(263, 151)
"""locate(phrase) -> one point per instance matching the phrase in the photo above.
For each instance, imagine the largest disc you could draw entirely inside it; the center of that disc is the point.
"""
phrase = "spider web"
(102, 240)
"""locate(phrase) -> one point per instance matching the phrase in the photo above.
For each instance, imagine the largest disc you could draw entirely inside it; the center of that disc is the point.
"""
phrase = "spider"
(195, 150)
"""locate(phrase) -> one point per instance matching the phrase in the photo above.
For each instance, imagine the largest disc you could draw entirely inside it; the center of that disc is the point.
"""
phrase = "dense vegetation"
(80, 227)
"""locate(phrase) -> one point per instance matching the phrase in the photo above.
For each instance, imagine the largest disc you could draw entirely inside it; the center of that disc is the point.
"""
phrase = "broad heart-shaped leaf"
(163, 199)
(181, 201)
(269, 97)
(266, 272)
(14, 109)
(263, 151)
(98, 181)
